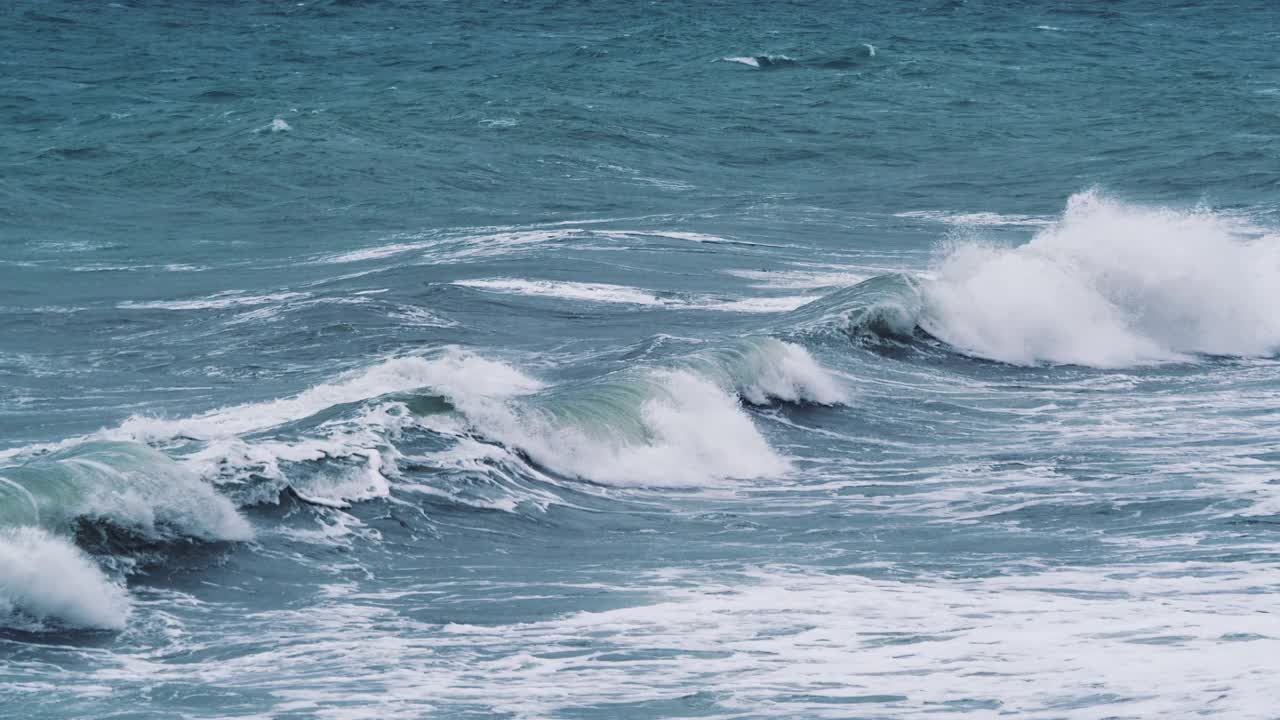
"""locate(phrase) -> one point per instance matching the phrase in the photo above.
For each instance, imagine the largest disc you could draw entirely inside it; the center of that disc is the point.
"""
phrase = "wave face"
(1112, 284)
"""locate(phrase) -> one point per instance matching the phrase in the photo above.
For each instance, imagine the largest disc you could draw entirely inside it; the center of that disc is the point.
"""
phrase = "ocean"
(602, 361)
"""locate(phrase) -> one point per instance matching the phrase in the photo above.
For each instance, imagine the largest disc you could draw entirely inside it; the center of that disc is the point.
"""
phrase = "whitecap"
(213, 302)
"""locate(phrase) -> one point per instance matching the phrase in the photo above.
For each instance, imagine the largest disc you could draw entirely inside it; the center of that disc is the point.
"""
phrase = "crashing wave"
(47, 579)
(680, 425)
(123, 484)
(44, 576)
(1112, 284)
(1109, 284)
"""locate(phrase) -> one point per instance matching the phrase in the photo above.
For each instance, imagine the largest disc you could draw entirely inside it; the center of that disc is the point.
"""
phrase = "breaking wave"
(1112, 284)
(677, 425)
(127, 485)
(1109, 284)
(45, 578)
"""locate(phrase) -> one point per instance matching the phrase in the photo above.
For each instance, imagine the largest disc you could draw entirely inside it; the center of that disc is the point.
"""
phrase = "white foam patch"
(44, 577)
(591, 292)
(754, 60)
(696, 237)
(1112, 284)
(624, 295)
(213, 302)
(365, 442)
(1155, 641)
(1171, 640)
(456, 248)
(761, 304)
(978, 219)
(830, 276)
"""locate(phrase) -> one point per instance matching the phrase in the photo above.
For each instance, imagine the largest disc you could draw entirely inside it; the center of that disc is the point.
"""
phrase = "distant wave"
(759, 61)
(470, 244)
(977, 219)
(624, 295)
(850, 58)
(819, 276)
(213, 302)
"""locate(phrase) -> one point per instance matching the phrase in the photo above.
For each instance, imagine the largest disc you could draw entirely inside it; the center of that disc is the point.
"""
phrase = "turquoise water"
(743, 360)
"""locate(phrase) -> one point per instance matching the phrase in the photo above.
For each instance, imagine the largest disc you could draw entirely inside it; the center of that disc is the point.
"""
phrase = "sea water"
(617, 360)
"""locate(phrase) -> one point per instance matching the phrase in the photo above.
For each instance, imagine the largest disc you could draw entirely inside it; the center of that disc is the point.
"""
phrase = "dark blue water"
(403, 360)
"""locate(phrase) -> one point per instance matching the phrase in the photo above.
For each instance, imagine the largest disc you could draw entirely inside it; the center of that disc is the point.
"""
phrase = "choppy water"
(402, 360)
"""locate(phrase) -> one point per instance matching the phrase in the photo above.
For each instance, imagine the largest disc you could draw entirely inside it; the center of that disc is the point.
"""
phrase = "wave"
(820, 276)
(1112, 284)
(127, 485)
(393, 375)
(977, 219)
(679, 425)
(590, 292)
(214, 302)
(1109, 284)
(885, 306)
(45, 578)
